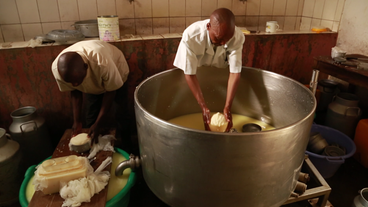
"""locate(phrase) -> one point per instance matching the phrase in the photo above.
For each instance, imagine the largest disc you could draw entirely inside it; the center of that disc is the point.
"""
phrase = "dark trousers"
(123, 120)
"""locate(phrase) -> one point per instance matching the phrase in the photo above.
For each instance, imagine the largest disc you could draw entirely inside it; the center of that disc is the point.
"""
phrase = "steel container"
(10, 169)
(361, 200)
(30, 131)
(343, 113)
(187, 167)
(89, 28)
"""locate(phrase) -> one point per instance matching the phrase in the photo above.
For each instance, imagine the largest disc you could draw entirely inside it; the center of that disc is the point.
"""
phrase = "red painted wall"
(26, 78)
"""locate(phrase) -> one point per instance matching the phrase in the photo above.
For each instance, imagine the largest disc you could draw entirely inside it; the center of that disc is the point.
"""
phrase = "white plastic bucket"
(108, 28)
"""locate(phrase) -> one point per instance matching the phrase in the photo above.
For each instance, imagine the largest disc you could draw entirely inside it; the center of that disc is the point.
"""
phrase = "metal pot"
(343, 113)
(89, 28)
(30, 131)
(361, 200)
(187, 167)
(10, 169)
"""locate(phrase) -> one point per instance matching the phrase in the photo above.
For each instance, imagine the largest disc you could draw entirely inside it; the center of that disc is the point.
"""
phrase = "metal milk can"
(30, 131)
(361, 199)
(10, 172)
(328, 88)
(343, 113)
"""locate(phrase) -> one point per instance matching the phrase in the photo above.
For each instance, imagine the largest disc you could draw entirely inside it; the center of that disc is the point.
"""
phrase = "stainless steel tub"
(186, 167)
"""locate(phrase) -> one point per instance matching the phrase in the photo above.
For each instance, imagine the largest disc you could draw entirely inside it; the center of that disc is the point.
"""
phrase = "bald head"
(221, 26)
(72, 68)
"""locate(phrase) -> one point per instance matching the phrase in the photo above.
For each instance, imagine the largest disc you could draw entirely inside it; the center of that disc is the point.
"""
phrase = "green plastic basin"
(121, 199)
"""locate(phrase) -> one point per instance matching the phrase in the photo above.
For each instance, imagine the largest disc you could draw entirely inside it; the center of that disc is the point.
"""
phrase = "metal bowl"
(89, 28)
(65, 36)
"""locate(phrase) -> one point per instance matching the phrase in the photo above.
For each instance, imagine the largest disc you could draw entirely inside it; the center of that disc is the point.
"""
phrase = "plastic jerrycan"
(361, 142)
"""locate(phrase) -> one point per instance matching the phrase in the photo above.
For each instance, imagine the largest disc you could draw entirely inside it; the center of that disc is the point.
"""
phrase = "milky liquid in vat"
(195, 121)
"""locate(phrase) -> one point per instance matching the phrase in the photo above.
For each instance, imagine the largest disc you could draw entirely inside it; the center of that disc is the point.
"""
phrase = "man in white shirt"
(97, 69)
(213, 42)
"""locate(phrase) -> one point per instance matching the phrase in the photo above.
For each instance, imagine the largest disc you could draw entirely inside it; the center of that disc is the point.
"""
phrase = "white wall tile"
(49, 10)
(1, 36)
(177, 24)
(193, 8)
(160, 25)
(8, 12)
(339, 10)
(125, 9)
(315, 23)
(224, 4)
(177, 8)
(239, 7)
(266, 7)
(68, 10)
(327, 23)
(279, 7)
(106, 7)
(305, 23)
(48, 27)
(160, 8)
(12, 33)
(142, 8)
(289, 24)
(28, 11)
(300, 7)
(252, 23)
(318, 8)
(67, 25)
(280, 21)
(298, 23)
(336, 27)
(208, 6)
(191, 20)
(308, 8)
(240, 21)
(292, 7)
(329, 9)
(144, 26)
(253, 7)
(127, 26)
(262, 23)
(31, 30)
(87, 9)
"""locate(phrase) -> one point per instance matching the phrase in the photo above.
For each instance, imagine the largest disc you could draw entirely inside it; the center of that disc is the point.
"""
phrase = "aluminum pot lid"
(64, 36)
(333, 151)
(87, 22)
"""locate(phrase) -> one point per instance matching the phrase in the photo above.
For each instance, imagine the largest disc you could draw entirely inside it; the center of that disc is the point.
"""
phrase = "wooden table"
(62, 149)
(349, 74)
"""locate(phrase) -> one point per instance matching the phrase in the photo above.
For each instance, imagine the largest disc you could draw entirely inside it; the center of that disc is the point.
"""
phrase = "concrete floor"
(345, 184)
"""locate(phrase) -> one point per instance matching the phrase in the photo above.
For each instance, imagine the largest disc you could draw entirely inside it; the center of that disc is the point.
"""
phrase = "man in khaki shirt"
(97, 69)
(212, 42)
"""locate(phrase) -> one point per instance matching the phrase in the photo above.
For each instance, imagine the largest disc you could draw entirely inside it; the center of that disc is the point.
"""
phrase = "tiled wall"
(21, 20)
(326, 13)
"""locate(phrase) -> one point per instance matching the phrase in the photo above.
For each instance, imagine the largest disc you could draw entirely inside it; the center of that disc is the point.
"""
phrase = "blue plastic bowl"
(328, 165)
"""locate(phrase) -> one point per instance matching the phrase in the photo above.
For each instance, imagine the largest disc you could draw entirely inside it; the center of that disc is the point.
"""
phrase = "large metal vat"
(186, 167)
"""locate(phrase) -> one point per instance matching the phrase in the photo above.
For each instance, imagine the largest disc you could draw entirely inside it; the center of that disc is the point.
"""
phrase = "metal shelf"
(317, 195)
